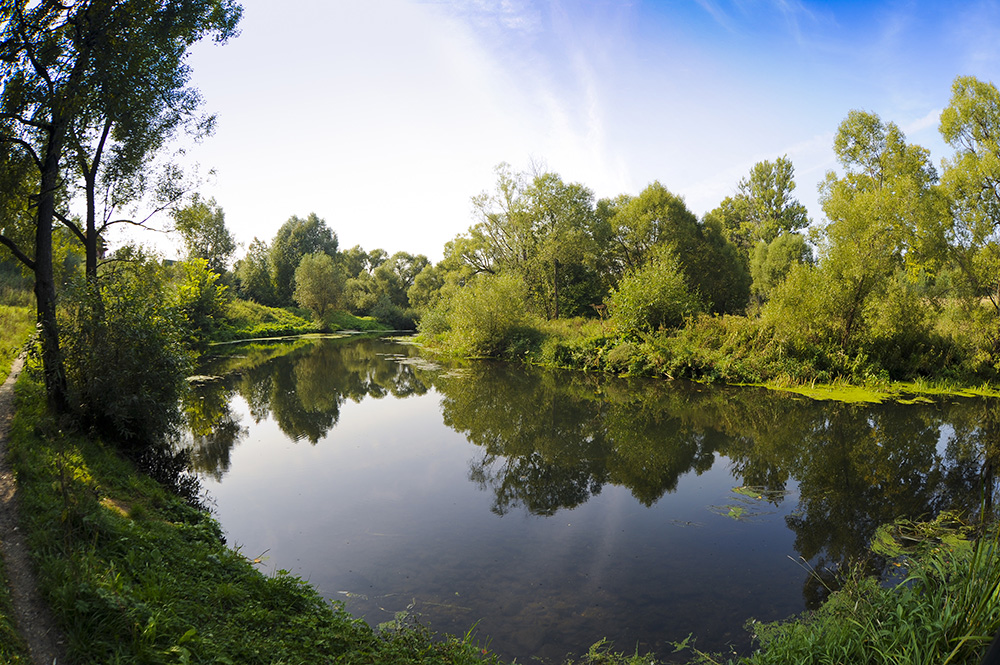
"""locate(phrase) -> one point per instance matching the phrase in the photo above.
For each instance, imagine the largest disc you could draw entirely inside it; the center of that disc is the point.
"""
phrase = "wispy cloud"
(504, 19)
(932, 119)
(718, 14)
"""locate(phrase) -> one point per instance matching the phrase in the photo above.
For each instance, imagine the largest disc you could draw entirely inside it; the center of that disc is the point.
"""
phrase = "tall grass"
(16, 323)
(944, 612)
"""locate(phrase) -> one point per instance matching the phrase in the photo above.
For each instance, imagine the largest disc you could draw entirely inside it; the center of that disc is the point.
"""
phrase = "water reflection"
(548, 441)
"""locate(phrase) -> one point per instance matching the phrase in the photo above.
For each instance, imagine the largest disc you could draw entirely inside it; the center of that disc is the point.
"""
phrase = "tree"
(656, 217)
(59, 63)
(426, 288)
(137, 99)
(971, 125)
(541, 229)
(202, 225)
(881, 213)
(770, 263)
(125, 357)
(354, 261)
(641, 223)
(253, 272)
(486, 313)
(201, 301)
(296, 238)
(319, 285)
(395, 276)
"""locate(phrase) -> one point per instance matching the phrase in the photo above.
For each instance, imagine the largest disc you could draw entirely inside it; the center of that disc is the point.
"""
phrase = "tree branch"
(16, 251)
(27, 147)
(72, 226)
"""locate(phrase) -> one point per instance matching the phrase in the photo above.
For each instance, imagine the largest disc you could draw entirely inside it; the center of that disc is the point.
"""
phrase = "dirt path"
(30, 614)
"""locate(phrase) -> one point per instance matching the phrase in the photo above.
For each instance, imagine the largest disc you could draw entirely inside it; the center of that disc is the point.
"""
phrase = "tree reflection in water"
(549, 440)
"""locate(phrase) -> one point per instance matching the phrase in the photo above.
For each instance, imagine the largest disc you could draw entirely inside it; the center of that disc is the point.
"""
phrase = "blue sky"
(385, 116)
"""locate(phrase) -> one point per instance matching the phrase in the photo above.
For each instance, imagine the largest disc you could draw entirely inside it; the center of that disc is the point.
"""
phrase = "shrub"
(653, 296)
(201, 302)
(485, 314)
(125, 360)
(392, 315)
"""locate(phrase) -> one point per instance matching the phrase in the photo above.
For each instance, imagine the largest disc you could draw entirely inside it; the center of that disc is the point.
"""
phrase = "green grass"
(946, 611)
(17, 324)
(134, 575)
(249, 320)
(340, 320)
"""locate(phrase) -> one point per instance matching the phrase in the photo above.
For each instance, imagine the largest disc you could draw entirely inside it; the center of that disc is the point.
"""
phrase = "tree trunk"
(45, 286)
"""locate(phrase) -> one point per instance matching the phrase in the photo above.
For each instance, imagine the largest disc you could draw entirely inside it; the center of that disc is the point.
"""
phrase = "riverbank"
(734, 350)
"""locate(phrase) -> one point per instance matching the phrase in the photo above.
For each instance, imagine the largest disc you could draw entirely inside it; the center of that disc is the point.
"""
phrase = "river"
(552, 509)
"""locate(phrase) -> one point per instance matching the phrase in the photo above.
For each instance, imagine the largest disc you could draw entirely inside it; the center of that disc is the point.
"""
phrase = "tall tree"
(880, 212)
(971, 125)
(538, 227)
(319, 285)
(202, 225)
(657, 217)
(296, 238)
(253, 272)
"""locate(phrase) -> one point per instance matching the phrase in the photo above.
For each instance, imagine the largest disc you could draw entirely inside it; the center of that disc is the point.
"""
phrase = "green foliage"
(426, 288)
(125, 358)
(392, 315)
(17, 323)
(540, 229)
(319, 284)
(763, 208)
(712, 266)
(13, 650)
(945, 611)
(296, 238)
(486, 314)
(253, 274)
(971, 125)
(341, 320)
(653, 296)
(200, 301)
(15, 286)
(202, 225)
(770, 263)
(246, 319)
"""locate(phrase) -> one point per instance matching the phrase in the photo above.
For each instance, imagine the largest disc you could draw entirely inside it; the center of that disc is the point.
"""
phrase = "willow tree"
(971, 125)
(101, 73)
(883, 212)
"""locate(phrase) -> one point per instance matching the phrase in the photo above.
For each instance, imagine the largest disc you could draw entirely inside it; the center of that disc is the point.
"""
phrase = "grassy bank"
(245, 319)
(17, 323)
(728, 349)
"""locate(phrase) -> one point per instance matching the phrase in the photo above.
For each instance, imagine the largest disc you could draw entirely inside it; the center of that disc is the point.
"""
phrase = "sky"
(384, 117)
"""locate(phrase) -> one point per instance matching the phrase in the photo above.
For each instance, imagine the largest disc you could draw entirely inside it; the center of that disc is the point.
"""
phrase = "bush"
(392, 315)
(125, 360)
(201, 302)
(653, 296)
(485, 315)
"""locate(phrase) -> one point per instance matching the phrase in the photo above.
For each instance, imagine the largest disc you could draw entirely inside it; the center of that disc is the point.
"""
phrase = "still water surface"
(552, 509)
